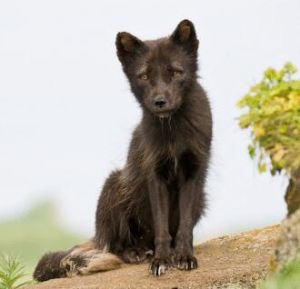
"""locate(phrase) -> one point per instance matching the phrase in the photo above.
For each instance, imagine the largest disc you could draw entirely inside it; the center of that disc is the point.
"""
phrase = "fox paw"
(159, 266)
(136, 255)
(185, 262)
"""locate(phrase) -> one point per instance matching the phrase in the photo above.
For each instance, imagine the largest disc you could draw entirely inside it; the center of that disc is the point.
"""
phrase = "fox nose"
(160, 101)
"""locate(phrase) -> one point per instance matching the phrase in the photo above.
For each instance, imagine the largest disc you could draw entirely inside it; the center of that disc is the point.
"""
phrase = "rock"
(228, 262)
(288, 246)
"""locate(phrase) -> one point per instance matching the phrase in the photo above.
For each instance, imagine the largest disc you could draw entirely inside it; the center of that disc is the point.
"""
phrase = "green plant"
(287, 278)
(273, 116)
(11, 273)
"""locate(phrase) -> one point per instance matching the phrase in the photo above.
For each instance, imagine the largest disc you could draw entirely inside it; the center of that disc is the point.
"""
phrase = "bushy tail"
(83, 259)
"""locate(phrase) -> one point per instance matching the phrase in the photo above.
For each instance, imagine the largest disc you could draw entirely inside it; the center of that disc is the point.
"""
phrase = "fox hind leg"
(88, 262)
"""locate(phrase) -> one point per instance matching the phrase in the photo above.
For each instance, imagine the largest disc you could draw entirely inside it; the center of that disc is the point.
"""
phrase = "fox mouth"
(164, 114)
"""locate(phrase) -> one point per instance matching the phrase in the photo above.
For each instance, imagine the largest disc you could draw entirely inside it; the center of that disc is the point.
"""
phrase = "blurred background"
(66, 111)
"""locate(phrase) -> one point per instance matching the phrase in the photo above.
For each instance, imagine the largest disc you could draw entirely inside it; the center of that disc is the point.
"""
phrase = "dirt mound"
(241, 259)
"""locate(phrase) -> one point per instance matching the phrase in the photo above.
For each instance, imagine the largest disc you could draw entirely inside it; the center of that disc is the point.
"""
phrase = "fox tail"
(82, 259)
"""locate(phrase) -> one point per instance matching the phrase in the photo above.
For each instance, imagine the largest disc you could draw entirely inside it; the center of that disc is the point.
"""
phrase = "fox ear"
(185, 35)
(128, 46)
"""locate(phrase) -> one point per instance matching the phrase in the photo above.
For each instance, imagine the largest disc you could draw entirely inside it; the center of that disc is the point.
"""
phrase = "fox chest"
(177, 167)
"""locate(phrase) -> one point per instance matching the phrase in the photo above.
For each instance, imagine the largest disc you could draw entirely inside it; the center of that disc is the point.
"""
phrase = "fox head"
(162, 71)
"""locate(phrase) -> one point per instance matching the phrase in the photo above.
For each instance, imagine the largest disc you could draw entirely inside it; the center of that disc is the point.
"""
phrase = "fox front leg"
(189, 213)
(159, 199)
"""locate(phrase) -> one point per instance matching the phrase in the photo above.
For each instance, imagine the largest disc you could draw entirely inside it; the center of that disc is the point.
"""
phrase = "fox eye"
(143, 76)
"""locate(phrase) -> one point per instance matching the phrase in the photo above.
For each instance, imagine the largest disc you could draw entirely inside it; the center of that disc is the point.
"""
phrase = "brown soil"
(241, 259)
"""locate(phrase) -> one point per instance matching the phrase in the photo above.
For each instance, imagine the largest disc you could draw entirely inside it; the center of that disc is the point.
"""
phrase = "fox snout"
(160, 102)
(163, 105)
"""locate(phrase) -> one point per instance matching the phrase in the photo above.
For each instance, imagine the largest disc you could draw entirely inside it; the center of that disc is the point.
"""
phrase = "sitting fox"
(147, 210)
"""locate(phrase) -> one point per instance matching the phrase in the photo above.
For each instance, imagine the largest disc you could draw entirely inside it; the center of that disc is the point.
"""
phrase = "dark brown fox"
(148, 209)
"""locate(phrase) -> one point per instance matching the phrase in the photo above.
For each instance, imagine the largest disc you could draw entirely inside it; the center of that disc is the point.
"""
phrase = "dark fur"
(49, 267)
(168, 157)
(154, 203)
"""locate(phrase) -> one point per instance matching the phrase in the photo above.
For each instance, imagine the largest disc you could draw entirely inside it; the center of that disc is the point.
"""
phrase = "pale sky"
(66, 111)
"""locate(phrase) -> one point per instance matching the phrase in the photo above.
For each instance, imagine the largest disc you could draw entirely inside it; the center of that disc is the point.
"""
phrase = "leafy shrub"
(273, 115)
